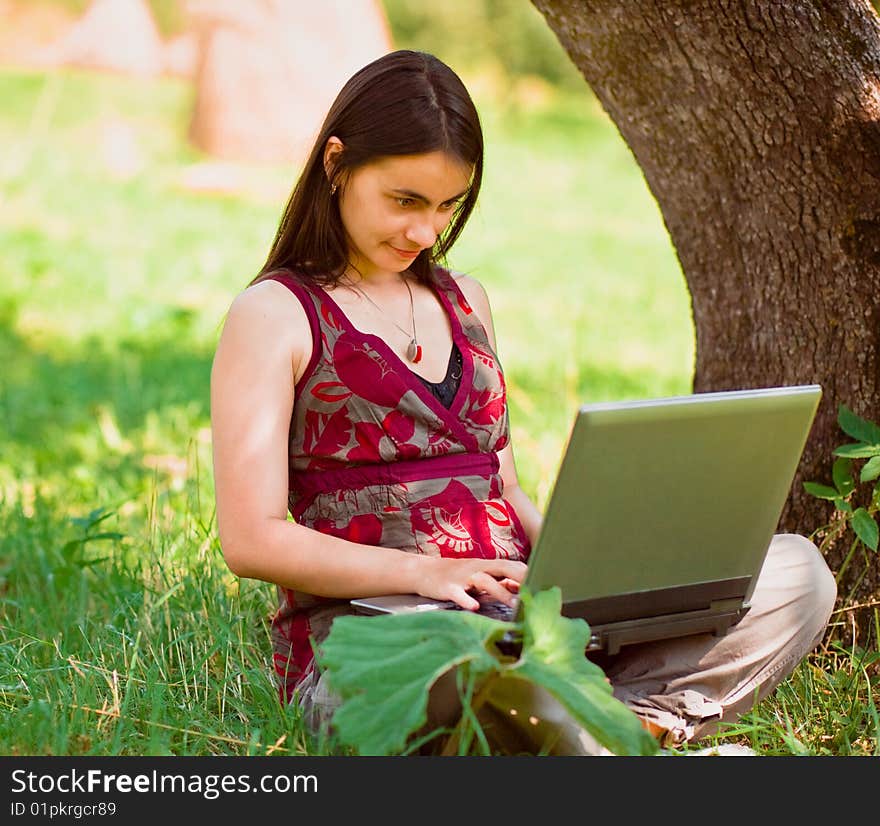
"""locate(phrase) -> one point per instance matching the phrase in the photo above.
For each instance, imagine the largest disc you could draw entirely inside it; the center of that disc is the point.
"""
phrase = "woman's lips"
(405, 253)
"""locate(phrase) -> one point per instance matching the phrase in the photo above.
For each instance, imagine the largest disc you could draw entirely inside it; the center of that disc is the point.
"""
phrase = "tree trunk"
(757, 127)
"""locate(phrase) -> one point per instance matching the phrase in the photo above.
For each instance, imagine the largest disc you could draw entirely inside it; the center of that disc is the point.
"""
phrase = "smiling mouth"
(405, 253)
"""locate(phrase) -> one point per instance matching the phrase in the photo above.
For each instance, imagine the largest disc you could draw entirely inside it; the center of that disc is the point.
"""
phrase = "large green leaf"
(383, 667)
(553, 657)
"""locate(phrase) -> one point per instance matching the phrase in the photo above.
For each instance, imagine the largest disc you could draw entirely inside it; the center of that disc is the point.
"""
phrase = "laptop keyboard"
(492, 609)
(497, 610)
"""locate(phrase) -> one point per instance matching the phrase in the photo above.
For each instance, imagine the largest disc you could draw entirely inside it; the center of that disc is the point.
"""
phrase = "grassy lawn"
(121, 630)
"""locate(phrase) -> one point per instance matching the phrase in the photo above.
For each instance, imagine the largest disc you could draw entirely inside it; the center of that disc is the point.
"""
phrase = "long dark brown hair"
(404, 103)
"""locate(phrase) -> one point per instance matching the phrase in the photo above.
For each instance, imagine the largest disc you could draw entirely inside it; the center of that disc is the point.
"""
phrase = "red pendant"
(414, 352)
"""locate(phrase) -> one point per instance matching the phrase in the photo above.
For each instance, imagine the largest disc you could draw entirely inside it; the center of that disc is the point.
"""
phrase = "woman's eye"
(451, 205)
(405, 202)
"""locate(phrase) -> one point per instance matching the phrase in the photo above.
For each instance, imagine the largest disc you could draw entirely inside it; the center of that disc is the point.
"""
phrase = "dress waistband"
(312, 482)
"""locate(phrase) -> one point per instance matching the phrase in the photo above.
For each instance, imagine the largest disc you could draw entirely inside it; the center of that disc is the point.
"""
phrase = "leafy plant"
(383, 668)
(861, 519)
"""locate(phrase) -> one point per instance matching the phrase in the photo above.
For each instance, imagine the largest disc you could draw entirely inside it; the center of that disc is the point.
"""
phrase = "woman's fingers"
(461, 597)
(493, 588)
(462, 579)
(472, 603)
(507, 569)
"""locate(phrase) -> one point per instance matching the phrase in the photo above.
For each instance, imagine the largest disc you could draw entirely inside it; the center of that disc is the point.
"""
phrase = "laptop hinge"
(657, 628)
(658, 602)
(726, 604)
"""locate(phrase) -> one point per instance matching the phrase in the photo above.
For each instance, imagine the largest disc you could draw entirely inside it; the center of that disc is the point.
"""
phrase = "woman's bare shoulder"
(266, 319)
(269, 308)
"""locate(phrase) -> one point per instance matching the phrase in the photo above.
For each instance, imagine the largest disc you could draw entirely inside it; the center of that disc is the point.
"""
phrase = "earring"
(332, 190)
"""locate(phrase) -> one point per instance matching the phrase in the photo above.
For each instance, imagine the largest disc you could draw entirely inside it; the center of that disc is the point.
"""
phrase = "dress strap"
(446, 281)
(307, 298)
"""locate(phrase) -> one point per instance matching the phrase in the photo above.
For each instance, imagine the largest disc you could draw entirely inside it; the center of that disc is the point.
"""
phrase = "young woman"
(356, 387)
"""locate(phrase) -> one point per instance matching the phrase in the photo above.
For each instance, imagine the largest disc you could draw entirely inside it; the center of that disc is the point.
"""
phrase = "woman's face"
(395, 207)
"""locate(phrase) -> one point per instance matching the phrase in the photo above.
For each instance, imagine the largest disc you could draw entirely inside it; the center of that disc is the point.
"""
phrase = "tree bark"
(757, 127)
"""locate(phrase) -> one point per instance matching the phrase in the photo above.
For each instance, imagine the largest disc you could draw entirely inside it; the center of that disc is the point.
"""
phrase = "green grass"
(121, 630)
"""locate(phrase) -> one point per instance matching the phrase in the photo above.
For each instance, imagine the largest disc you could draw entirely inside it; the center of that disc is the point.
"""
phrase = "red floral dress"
(375, 458)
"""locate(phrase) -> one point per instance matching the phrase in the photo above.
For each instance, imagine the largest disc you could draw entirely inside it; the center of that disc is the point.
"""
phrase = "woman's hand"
(459, 580)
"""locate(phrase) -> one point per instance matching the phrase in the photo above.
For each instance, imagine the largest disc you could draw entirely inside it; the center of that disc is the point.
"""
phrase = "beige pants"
(686, 685)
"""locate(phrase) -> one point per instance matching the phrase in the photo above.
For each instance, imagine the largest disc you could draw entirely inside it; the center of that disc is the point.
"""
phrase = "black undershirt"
(446, 388)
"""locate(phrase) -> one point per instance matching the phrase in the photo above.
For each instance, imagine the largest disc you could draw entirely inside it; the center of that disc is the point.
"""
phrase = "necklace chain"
(414, 349)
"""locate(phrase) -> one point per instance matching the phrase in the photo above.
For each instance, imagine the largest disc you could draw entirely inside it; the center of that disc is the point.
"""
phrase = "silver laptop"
(662, 512)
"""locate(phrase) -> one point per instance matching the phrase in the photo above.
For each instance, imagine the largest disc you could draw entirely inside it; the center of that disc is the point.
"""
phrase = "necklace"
(413, 349)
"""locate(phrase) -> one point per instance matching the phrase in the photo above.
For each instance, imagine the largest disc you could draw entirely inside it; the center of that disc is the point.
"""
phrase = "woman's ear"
(331, 150)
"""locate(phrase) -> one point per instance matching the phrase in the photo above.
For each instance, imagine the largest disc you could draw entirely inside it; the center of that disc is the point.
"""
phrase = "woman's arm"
(528, 513)
(265, 344)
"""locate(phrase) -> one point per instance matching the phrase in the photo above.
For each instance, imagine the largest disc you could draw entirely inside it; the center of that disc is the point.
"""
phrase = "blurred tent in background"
(114, 35)
(268, 70)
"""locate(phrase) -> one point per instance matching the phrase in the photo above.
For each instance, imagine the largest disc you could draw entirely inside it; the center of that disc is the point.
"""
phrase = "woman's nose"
(422, 232)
